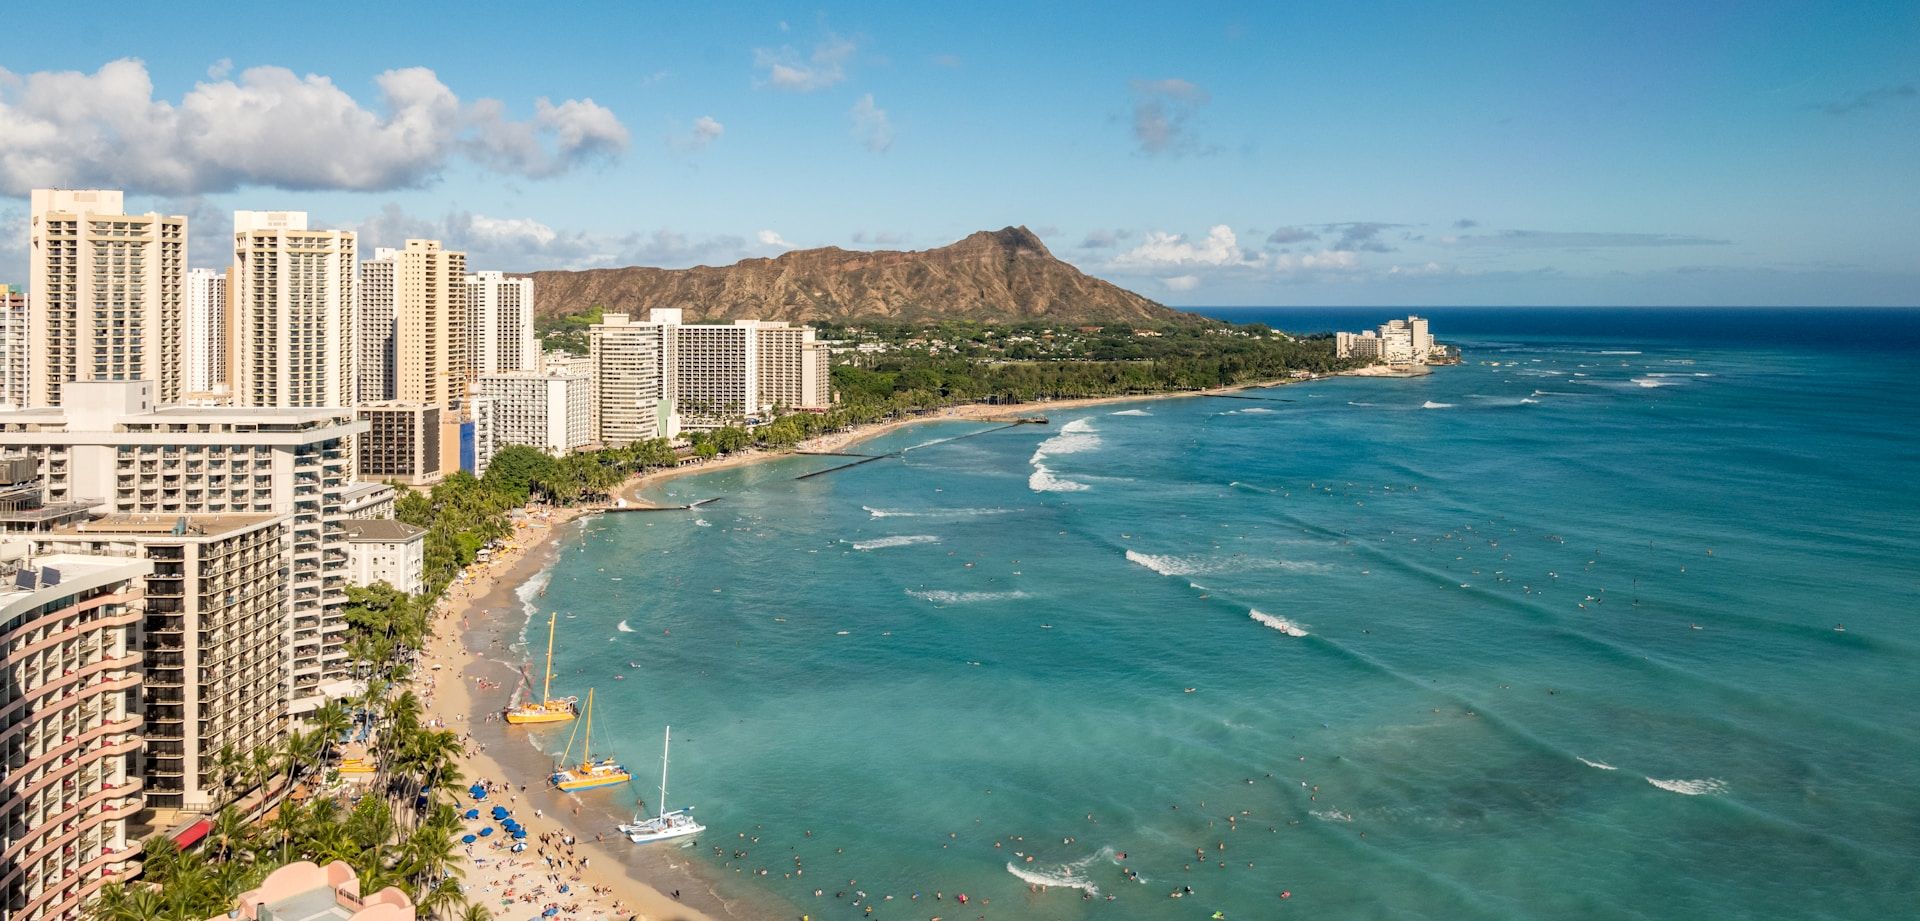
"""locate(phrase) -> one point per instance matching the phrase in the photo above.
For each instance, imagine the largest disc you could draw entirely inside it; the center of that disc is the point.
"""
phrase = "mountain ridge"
(1005, 275)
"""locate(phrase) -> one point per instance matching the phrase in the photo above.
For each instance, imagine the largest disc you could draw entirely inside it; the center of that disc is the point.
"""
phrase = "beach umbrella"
(519, 834)
(486, 831)
(473, 813)
(468, 839)
(477, 791)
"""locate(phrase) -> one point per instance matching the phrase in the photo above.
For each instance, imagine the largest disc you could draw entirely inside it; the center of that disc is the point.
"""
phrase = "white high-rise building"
(1395, 342)
(629, 388)
(550, 410)
(13, 348)
(375, 327)
(500, 324)
(293, 303)
(110, 446)
(206, 345)
(107, 294)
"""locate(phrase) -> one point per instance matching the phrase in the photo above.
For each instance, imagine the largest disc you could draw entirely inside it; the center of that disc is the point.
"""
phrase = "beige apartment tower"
(13, 348)
(628, 399)
(208, 334)
(293, 306)
(430, 363)
(107, 294)
(374, 327)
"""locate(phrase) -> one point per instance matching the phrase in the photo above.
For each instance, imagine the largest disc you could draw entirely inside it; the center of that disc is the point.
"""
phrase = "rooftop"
(382, 529)
(187, 526)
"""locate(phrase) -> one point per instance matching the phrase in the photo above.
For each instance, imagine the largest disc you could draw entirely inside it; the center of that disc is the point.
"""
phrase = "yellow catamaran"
(547, 710)
(588, 773)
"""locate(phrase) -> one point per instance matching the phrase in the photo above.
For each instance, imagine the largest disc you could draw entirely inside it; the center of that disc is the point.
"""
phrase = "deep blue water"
(1614, 620)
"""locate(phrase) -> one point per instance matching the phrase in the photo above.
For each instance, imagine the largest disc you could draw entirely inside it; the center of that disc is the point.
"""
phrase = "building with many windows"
(402, 443)
(500, 324)
(205, 351)
(552, 411)
(385, 550)
(213, 637)
(107, 294)
(293, 305)
(793, 370)
(430, 362)
(13, 348)
(628, 391)
(374, 329)
(70, 733)
(112, 448)
(1396, 342)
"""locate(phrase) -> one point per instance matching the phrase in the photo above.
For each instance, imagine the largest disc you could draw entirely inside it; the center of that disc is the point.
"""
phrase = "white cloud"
(1181, 282)
(220, 69)
(706, 129)
(871, 125)
(773, 238)
(274, 128)
(1163, 250)
(785, 69)
(524, 244)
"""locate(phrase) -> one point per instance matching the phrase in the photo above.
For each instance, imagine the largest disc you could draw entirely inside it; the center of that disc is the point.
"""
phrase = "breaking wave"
(1655, 382)
(1602, 765)
(945, 597)
(1074, 437)
(1279, 623)
(903, 540)
(1432, 405)
(1259, 411)
(933, 512)
(1131, 412)
(1703, 787)
(702, 522)
(623, 628)
(1193, 566)
(1071, 875)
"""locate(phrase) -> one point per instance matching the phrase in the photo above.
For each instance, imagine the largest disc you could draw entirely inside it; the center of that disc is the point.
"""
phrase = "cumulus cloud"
(871, 125)
(784, 68)
(220, 69)
(1163, 113)
(1873, 97)
(1286, 235)
(706, 129)
(1181, 282)
(1162, 250)
(274, 128)
(772, 238)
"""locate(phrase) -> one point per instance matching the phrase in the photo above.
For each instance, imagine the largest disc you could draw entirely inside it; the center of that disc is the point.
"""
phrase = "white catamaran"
(676, 824)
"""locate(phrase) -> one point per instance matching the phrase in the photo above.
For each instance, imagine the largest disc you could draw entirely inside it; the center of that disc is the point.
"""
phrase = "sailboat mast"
(546, 687)
(663, 770)
(586, 751)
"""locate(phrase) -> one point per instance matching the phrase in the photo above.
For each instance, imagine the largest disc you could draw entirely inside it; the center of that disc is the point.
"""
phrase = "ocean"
(1616, 619)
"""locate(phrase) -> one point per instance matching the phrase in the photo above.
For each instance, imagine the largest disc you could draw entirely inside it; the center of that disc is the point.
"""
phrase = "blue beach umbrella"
(486, 831)
(473, 813)
(519, 834)
(468, 839)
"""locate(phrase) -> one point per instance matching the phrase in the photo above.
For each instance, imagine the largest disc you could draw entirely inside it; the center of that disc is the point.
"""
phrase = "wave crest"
(939, 596)
(901, 540)
(1705, 786)
(1279, 623)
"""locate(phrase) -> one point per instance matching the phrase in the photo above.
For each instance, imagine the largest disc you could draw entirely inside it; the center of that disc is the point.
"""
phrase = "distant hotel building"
(1396, 342)
(293, 303)
(385, 550)
(13, 348)
(111, 448)
(552, 411)
(207, 327)
(500, 324)
(374, 329)
(664, 375)
(107, 294)
(69, 638)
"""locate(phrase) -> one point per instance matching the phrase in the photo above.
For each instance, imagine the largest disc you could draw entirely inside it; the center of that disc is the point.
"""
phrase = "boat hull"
(679, 832)
(569, 782)
(523, 717)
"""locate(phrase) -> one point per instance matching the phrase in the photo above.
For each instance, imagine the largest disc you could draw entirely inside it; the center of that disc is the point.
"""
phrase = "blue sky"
(1273, 153)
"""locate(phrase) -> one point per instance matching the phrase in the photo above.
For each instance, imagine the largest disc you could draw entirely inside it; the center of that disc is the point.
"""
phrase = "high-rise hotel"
(293, 301)
(652, 379)
(107, 294)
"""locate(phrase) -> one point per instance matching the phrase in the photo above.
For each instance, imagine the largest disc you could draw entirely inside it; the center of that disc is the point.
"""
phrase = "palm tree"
(444, 894)
(230, 833)
(476, 912)
(331, 721)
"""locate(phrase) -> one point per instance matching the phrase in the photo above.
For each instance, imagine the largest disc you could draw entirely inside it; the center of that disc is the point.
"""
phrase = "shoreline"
(478, 626)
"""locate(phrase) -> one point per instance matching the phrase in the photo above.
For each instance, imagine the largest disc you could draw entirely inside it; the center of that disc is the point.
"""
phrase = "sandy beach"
(471, 671)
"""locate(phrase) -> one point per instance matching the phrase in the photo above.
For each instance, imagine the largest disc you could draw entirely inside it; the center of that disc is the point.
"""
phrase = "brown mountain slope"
(996, 276)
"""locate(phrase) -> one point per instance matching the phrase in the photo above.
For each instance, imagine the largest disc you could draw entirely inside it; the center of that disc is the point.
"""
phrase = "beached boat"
(589, 773)
(676, 824)
(547, 710)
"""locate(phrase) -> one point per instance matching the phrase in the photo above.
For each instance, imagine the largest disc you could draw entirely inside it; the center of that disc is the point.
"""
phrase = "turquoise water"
(1554, 638)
